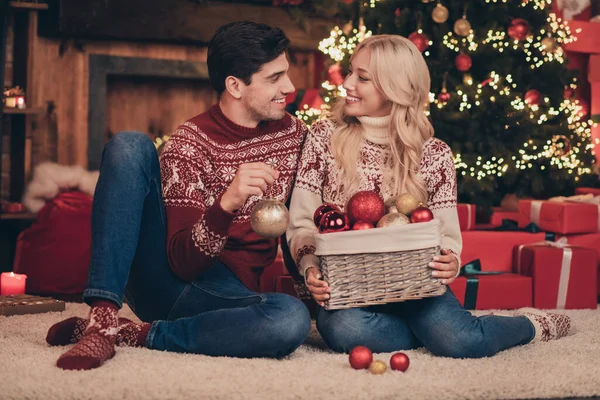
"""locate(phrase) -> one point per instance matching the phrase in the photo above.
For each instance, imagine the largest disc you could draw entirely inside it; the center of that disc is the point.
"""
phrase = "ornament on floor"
(366, 205)
(421, 214)
(399, 362)
(561, 145)
(518, 29)
(269, 218)
(439, 14)
(533, 97)
(549, 45)
(462, 27)
(322, 210)
(393, 219)
(378, 367)
(362, 225)
(463, 62)
(360, 357)
(420, 40)
(407, 203)
(14, 98)
(334, 221)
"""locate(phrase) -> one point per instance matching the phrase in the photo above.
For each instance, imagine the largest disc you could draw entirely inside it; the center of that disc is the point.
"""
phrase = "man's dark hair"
(240, 49)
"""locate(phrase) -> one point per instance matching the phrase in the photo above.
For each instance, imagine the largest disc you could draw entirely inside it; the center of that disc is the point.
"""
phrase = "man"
(185, 256)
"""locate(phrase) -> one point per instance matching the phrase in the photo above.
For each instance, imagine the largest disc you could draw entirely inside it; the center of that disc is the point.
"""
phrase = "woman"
(378, 138)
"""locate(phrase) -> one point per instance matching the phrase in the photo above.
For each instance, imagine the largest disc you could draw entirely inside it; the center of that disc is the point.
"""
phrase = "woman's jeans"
(215, 314)
(440, 324)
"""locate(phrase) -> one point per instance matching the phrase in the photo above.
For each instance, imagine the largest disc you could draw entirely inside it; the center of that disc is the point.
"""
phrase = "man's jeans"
(440, 324)
(215, 314)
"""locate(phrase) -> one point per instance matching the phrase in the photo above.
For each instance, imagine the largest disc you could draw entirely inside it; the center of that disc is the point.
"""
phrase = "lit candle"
(11, 283)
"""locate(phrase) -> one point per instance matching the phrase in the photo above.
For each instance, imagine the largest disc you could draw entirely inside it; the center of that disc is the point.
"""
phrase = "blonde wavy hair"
(399, 72)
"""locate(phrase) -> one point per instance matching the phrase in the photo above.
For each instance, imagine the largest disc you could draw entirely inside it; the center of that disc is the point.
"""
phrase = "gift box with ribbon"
(564, 277)
(495, 248)
(466, 216)
(485, 290)
(500, 214)
(577, 214)
(590, 241)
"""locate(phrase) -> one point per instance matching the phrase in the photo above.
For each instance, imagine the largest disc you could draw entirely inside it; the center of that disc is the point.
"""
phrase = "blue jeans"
(215, 314)
(440, 324)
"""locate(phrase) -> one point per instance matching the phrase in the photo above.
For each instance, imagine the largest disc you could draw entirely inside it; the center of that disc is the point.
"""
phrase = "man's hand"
(445, 266)
(250, 180)
(318, 288)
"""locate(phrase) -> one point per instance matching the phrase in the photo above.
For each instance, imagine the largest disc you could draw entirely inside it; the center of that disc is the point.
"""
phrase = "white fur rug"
(569, 367)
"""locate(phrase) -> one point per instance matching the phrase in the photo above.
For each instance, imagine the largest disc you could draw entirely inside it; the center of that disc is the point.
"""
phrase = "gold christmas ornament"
(390, 205)
(378, 367)
(270, 218)
(549, 45)
(439, 14)
(393, 219)
(462, 27)
(407, 203)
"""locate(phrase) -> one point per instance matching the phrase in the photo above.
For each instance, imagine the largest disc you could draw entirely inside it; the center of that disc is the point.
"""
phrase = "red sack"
(54, 252)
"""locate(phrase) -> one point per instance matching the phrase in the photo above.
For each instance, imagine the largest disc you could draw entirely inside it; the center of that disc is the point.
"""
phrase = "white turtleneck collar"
(376, 129)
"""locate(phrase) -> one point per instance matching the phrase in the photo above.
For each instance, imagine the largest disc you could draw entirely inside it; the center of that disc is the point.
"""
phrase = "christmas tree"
(501, 94)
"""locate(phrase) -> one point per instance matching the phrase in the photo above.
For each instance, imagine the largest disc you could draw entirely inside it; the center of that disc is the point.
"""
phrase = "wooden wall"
(138, 104)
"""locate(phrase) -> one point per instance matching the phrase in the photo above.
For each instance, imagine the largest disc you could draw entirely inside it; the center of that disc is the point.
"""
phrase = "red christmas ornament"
(362, 225)
(360, 357)
(421, 214)
(420, 40)
(533, 97)
(322, 210)
(334, 221)
(334, 75)
(518, 29)
(365, 206)
(399, 362)
(569, 92)
(443, 97)
(397, 12)
(463, 62)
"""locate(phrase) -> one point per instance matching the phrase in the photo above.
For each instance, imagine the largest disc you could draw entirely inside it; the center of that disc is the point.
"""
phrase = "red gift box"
(495, 249)
(590, 241)
(559, 217)
(499, 214)
(587, 190)
(504, 291)
(269, 276)
(466, 216)
(563, 277)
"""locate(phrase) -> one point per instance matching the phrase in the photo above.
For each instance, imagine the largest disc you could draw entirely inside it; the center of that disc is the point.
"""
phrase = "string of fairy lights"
(544, 47)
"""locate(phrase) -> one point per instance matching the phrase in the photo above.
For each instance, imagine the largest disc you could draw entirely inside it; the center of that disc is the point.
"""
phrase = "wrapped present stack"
(545, 255)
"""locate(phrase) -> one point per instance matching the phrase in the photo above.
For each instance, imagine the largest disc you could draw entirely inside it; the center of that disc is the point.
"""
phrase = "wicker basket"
(395, 267)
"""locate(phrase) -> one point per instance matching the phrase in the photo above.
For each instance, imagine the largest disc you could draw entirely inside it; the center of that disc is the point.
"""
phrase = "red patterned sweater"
(198, 164)
(318, 182)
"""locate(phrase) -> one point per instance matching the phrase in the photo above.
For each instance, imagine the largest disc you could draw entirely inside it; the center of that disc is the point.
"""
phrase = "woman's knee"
(343, 330)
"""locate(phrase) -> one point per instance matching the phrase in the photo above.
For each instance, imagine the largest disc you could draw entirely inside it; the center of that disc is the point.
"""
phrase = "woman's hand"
(445, 267)
(319, 289)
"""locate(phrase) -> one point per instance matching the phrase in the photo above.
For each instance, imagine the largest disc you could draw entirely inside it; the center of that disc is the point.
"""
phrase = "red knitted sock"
(133, 335)
(70, 331)
(98, 341)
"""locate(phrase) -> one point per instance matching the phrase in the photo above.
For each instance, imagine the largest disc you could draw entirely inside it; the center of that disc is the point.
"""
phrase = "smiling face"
(264, 98)
(363, 98)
